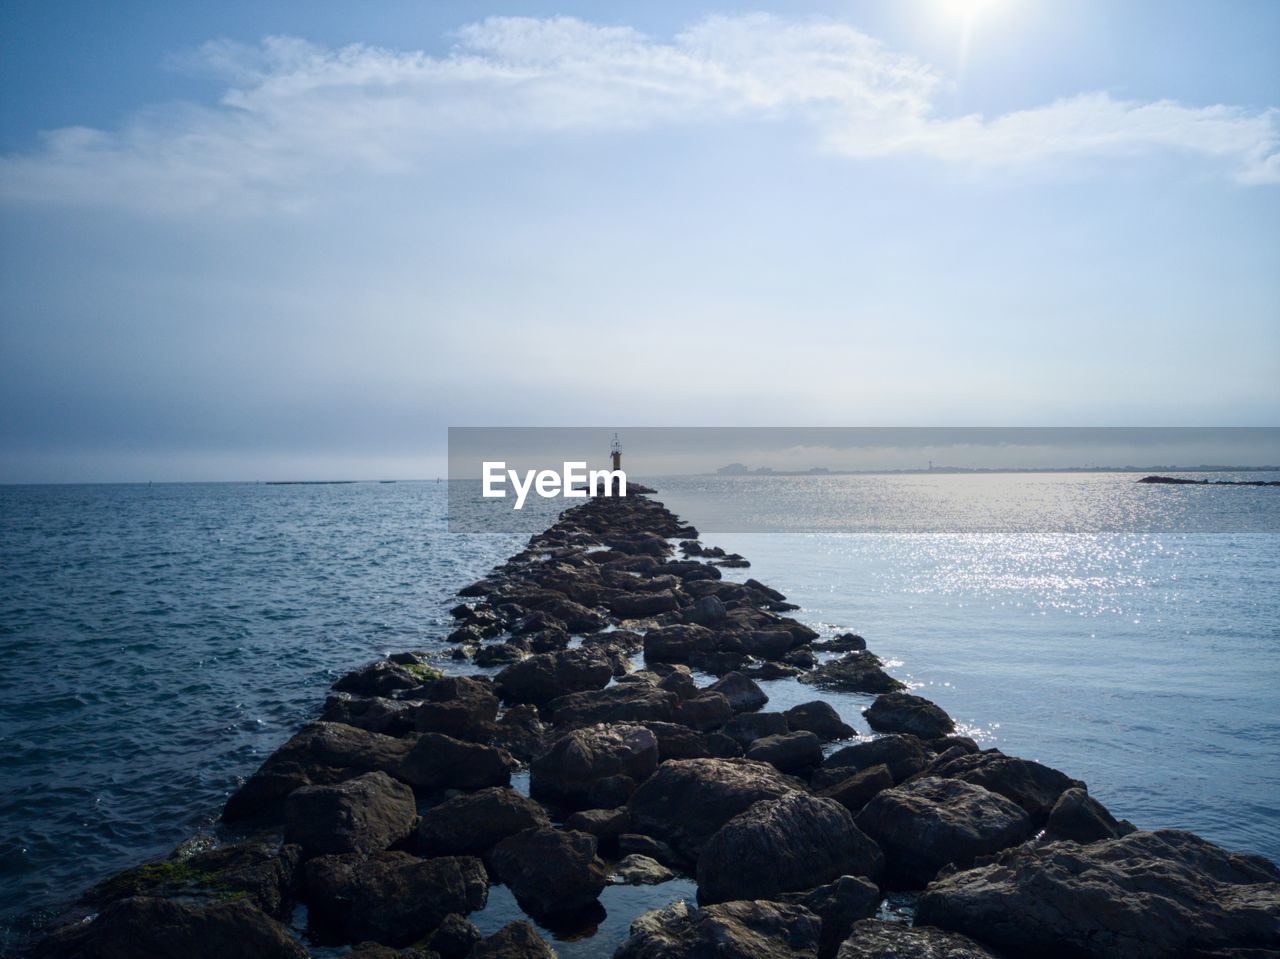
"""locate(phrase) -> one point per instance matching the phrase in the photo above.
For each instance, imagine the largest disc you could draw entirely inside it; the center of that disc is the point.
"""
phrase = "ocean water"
(158, 642)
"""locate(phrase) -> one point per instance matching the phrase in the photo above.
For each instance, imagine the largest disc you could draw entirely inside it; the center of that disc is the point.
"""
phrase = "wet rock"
(595, 767)
(678, 644)
(790, 752)
(858, 672)
(550, 870)
(381, 897)
(746, 728)
(474, 823)
(384, 677)
(784, 845)
(637, 870)
(681, 742)
(819, 718)
(905, 713)
(770, 670)
(730, 930)
(744, 695)
(364, 814)
(262, 870)
(838, 905)
(454, 938)
(855, 791)
(515, 940)
(843, 643)
(436, 761)
(541, 678)
(625, 703)
(1146, 895)
(499, 654)
(392, 717)
(169, 929)
(635, 844)
(875, 939)
(1081, 818)
(1033, 786)
(708, 611)
(687, 800)
(640, 605)
(925, 824)
(679, 682)
(767, 643)
(768, 591)
(904, 755)
(605, 824)
(706, 711)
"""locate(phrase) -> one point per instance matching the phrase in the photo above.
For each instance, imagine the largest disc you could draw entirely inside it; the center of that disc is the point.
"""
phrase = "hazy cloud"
(296, 114)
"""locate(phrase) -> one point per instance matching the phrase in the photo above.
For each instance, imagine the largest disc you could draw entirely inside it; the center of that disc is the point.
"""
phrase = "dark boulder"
(500, 654)
(635, 844)
(541, 678)
(1081, 818)
(743, 694)
(170, 929)
(928, 823)
(708, 611)
(1033, 786)
(790, 752)
(391, 897)
(746, 728)
(679, 682)
(384, 677)
(550, 870)
(638, 870)
(905, 713)
(640, 605)
(904, 755)
(858, 672)
(705, 711)
(365, 814)
(598, 766)
(474, 823)
(838, 905)
(681, 742)
(729, 930)
(605, 824)
(877, 939)
(819, 718)
(620, 703)
(767, 643)
(456, 706)
(454, 938)
(678, 644)
(784, 845)
(515, 940)
(377, 714)
(843, 643)
(436, 761)
(1147, 895)
(856, 790)
(687, 800)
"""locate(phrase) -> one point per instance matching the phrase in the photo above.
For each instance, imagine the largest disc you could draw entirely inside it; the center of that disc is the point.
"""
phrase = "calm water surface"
(159, 641)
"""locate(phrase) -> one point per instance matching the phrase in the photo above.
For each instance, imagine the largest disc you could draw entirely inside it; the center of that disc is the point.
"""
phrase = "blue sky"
(295, 240)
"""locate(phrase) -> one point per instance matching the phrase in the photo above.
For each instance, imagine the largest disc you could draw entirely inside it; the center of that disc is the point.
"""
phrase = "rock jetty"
(628, 688)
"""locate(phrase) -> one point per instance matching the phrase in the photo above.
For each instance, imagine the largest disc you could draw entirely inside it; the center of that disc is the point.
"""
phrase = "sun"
(968, 9)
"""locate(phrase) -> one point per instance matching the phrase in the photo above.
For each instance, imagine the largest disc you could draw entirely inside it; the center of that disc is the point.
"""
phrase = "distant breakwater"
(1180, 481)
(390, 817)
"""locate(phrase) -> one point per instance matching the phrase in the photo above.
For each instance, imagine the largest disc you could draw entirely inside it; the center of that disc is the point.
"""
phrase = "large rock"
(746, 728)
(876, 939)
(169, 929)
(515, 940)
(857, 672)
(550, 870)
(1033, 786)
(378, 714)
(705, 711)
(730, 930)
(637, 870)
(838, 905)
(639, 605)
(1146, 896)
(678, 644)
(767, 643)
(784, 845)
(707, 611)
(391, 897)
(474, 823)
(599, 766)
(435, 761)
(384, 677)
(743, 694)
(540, 679)
(820, 718)
(857, 789)
(365, 814)
(1079, 817)
(927, 823)
(904, 755)
(620, 703)
(456, 706)
(905, 713)
(790, 752)
(681, 742)
(687, 800)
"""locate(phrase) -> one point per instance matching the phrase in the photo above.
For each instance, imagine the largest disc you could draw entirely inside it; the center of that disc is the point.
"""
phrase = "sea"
(159, 641)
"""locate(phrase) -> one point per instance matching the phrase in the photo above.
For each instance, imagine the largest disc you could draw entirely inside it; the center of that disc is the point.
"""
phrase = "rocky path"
(380, 827)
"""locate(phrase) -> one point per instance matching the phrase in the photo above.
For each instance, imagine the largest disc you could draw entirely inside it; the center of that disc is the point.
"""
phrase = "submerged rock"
(364, 814)
(857, 672)
(550, 870)
(927, 823)
(875, 939)
(730, 930)
(905, 713)
(784, 845)
(687, 800)
(1147, 895)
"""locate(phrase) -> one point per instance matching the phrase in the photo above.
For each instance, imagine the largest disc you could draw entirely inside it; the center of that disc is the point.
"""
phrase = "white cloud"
(296, 113)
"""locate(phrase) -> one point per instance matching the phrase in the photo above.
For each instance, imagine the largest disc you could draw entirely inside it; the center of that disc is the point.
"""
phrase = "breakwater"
(389, 819)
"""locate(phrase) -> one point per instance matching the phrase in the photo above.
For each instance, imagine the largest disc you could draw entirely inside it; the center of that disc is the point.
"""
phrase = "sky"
(300, 240)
